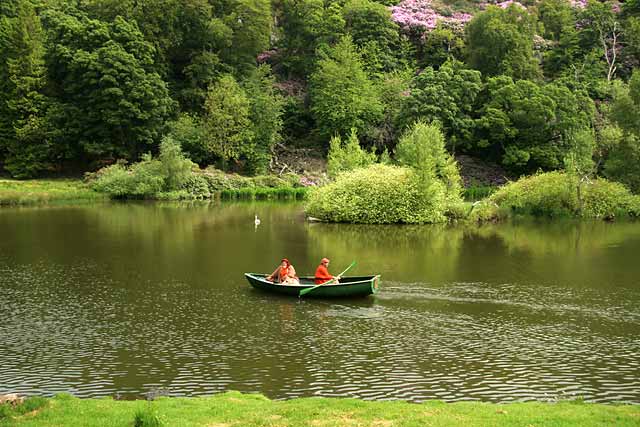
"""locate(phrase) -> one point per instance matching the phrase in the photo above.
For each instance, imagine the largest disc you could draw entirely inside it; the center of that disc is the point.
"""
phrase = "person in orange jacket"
(284, 274)
(322, 273)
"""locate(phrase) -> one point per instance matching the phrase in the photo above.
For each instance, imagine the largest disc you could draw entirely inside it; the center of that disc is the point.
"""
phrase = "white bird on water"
(256, 221)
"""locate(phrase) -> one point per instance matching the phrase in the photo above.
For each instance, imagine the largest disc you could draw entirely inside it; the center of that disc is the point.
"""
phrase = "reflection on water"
(127, 298)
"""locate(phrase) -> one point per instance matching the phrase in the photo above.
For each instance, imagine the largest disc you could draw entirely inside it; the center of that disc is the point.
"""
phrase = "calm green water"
(123, 299)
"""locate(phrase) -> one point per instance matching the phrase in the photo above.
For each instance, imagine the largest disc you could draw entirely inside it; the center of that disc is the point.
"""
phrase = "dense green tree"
(373, 31)
(528, 125)
(113, 103)
(342, 96)
(623, 163)
(446, 95)
(308, 25)
(251, 25)
(500, 42)
(557, 16)
(265, 115)
(440, 45)
(26, 134)
(227, 120)
(600, 32)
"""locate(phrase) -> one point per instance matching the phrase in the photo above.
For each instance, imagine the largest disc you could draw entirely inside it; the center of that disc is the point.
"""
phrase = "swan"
(256, 221)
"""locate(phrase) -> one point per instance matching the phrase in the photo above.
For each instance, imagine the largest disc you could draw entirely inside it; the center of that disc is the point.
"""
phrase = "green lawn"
(31, 192)
(235, 409)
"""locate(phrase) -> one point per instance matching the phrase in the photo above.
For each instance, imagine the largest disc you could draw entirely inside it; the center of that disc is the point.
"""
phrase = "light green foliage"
(342, 96)
(265, 115)
(446, 95)
(554, 194)
(226, 119)
(147, 178)
(379, 194)
(422, 148)
(393, 88)
(189, 131)
(348, 155)
(175, 168)
(33, 192)
(217, 180)
(623, 163)
(500, 42)
(579, 158)
(530, 123)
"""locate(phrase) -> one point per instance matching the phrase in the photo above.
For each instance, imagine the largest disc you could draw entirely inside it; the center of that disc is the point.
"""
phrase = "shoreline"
(237, 409)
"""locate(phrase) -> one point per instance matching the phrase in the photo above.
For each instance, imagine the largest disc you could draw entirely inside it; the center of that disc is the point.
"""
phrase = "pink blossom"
(265, 56)
(420, 15)
(506, 4)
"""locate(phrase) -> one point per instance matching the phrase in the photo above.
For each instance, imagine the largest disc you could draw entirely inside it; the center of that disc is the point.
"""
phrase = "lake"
(135, 298)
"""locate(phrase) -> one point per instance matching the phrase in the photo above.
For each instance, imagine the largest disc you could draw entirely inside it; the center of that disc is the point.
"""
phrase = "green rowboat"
(348, 286)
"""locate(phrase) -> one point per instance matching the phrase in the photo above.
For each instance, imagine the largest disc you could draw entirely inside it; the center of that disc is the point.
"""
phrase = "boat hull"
(355, 286)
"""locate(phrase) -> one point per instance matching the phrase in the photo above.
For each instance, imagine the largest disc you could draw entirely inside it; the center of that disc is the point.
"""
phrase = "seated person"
(322, 273)
(284, 274)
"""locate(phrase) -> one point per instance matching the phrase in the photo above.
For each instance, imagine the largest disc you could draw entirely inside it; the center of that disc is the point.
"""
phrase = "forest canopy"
(84, 84)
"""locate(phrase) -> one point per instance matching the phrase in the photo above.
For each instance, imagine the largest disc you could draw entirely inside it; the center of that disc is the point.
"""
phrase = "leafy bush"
(197, 187)
(219, 181)
(486, 211)
(143, 179)
(270, 181)
(148, 177)
(555, 194)
(422, 148)
(347, 156)
(292, 179)
(379, 194)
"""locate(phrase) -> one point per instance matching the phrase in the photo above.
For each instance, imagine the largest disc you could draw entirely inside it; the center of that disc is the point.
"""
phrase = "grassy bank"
(235, 409)
(39, 192)
(33, 192)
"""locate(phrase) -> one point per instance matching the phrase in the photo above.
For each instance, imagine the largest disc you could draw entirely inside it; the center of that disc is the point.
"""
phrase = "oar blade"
(307, 290)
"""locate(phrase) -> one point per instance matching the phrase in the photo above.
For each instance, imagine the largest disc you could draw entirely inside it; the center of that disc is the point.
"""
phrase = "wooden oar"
(307, 290)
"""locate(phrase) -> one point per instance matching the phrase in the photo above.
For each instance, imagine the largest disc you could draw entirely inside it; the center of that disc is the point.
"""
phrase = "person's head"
(285, 262)
(324, 261)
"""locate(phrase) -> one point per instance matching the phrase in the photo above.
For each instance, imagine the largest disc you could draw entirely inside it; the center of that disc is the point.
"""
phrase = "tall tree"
(446, 95)
(500, 42)
(251, 25)
(114, 104)
(623, 163)
(227, 111)
(342, 96)
(25, 135)
(265, 115)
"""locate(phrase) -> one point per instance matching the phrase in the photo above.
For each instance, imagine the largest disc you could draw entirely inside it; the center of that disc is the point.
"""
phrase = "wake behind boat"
(348, 287)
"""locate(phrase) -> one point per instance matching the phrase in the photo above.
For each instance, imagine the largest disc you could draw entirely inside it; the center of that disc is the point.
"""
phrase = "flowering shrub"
(421, 15)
